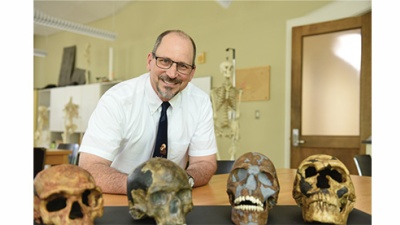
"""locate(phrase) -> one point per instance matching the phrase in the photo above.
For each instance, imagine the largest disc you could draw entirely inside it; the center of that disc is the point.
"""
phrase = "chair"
(224, 166)
(74, 147)
(363, 164)
(39, 156)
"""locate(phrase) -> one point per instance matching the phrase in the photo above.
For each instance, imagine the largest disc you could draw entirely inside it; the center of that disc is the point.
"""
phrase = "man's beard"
(168, 93)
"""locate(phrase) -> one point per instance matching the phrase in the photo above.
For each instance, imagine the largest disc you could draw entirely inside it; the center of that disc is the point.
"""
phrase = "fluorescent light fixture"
(41, 18)
(224, 3)
(39, 53)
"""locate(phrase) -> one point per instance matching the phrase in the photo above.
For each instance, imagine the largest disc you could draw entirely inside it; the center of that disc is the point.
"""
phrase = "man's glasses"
(166, 63)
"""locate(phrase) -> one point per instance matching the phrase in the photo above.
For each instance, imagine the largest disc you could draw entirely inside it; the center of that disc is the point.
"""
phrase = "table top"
(58, 151)
(214, 193)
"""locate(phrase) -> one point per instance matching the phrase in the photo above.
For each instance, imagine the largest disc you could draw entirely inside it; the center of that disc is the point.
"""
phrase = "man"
(122, 130)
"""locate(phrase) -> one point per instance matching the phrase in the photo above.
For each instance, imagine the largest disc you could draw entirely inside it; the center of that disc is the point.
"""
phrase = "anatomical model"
(226, 105)
(42, 134)
(71, 112)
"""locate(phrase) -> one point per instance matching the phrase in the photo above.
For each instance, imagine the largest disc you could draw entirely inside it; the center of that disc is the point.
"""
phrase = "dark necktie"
(161, 147)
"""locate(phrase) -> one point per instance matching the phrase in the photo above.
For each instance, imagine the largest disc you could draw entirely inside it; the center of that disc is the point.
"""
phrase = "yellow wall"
(256, 29)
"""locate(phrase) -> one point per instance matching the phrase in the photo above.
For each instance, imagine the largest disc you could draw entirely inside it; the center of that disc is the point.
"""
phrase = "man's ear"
(149, 59)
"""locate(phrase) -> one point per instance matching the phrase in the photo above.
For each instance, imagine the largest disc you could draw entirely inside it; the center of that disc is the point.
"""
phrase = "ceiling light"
(41, 18)
(224, 3)
(39, 53)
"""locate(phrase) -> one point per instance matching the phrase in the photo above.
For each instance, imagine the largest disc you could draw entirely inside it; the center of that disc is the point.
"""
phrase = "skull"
(226, 68)
(66, 194)
(253, 189)
(159, 188)
(324, 190)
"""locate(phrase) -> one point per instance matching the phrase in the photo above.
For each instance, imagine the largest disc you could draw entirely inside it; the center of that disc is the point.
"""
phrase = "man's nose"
(172, 72)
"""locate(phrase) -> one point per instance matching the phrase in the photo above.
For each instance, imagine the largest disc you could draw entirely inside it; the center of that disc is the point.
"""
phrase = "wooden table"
(57, 156)
(214, 193)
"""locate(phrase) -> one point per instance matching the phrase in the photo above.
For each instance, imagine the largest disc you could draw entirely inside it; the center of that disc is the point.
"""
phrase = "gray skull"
(253, 189)
(324, 190)
(159, 188)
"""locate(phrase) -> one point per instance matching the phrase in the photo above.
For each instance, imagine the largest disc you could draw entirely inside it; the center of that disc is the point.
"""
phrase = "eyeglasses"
(166, 63)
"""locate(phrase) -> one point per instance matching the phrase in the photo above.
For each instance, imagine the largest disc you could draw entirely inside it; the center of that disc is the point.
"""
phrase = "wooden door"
(342, 145)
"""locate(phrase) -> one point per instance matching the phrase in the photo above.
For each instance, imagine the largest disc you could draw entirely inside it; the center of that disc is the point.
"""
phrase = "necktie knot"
(164, 106)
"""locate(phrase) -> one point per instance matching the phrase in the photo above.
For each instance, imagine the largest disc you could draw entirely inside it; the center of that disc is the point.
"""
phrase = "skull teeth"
(249, 203)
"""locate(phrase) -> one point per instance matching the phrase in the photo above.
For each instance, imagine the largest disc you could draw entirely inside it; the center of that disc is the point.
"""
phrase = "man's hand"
(202, 168)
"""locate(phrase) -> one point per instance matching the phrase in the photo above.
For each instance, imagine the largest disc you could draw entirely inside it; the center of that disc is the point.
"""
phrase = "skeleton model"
(71, 112)
(42, 130)
(226, 102)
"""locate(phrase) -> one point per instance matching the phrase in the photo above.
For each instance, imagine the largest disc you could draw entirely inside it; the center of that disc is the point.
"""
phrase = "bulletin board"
(255, 83)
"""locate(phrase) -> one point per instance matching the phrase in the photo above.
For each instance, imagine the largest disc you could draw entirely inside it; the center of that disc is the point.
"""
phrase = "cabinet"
(83, 97)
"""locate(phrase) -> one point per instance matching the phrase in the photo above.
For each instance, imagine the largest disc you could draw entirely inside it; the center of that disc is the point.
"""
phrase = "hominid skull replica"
(253, 189)
(324, 190)
(66, 194)
(159, 189)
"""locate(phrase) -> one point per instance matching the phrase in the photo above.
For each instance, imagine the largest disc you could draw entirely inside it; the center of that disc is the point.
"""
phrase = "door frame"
(332, 11)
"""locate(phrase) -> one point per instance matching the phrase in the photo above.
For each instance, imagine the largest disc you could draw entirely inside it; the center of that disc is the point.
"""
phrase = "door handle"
(295, 138)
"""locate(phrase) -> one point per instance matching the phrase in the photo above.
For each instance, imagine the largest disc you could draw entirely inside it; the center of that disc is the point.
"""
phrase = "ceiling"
(82, 12)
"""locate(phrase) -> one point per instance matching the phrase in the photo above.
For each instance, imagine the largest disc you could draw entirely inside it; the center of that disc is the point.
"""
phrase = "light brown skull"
(253, 189)
(159, 189)
(324, 190)
(66, 194)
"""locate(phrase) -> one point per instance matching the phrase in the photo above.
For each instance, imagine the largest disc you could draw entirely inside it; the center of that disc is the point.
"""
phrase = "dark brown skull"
(324, 190)
(66, 194)
(253, 189)
(159, 188)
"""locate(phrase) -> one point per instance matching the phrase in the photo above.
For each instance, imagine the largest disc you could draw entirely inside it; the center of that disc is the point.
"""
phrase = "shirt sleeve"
(103, 135)
(203, 142)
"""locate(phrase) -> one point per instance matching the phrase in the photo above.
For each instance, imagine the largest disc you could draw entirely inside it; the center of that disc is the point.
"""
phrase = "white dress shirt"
(123, 126)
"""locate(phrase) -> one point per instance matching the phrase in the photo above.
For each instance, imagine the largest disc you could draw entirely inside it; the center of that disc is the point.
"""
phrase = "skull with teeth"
(253, 189)
(66, 194)
(324, 190)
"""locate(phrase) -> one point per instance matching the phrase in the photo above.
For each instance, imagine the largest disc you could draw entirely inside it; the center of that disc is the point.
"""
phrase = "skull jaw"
(240, 217)
(137, 211)
(175, 220)
(324, 213)
(175, 214)
(62, 220)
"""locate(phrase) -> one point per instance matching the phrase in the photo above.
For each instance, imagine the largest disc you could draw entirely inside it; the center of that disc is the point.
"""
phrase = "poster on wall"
(255, 83)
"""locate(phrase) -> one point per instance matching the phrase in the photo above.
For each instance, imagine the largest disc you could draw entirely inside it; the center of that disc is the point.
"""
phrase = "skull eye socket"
(265, 178)
(336, 175)
(311, 171)
(333, 173)
(241, 174)
(322, 180)
(85, 197)
(184, 195)
(56, 203)
(159, 198)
